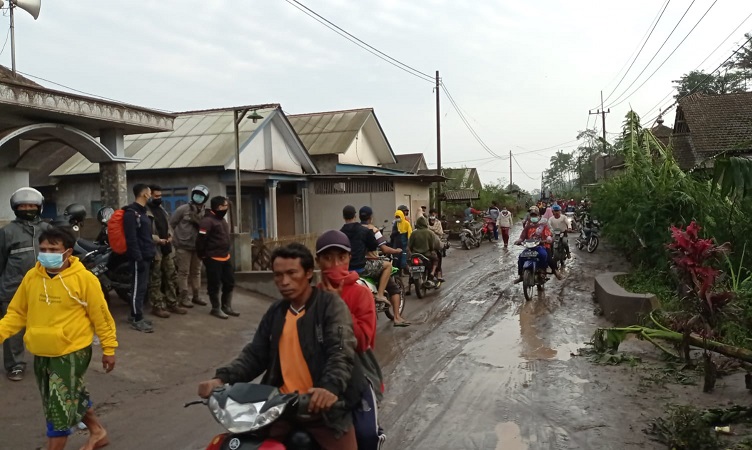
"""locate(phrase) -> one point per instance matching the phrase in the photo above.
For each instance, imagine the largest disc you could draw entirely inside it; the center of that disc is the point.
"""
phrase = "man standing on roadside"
(162, 293)
(213, 247)
(141, 250)
(18, 254)
(184, 223)
(62, 305)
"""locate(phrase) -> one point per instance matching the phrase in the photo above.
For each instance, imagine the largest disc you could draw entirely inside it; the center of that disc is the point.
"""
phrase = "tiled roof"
(410, 162)
(715, 124)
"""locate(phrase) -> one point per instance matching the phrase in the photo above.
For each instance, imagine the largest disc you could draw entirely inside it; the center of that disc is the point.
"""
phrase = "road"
(479, 369)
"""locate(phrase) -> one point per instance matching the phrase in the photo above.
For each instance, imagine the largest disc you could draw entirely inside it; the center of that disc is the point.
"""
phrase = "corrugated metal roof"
(461, 194)
(199, 139)
(329, 132)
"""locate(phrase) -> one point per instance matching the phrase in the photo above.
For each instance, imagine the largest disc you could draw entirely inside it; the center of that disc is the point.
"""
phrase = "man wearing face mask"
(505, 223)
(213, 247)
(18, 253)
(137, 228)
(184, 223)
(162, 293)
(539, 229)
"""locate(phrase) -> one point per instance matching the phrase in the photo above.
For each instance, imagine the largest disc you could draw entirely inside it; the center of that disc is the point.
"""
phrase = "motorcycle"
(246, 410)
(373, 285)
(420, 267)
(589, 235)
(559, 249)
(572, 220)
(488, 229)
(471, 234)
(534, 272)
(111, 269)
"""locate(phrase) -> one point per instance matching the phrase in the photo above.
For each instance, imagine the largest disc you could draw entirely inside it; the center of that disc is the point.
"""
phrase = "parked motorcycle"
(471, 234)
(246, 410)
(560, 251)
(589, 235)
(381, 306)
(534, 272)
(488, 229)
(420, 268)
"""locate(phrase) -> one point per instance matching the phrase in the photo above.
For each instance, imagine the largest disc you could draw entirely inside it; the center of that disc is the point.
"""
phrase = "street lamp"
(30, 6)
(237, 116)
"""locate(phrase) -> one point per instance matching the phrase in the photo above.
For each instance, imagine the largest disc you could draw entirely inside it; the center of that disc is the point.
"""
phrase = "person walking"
(493, 214)
(18, 254)
(184, 223)
(137, 227)
(63, 306)
(213, 247)
(505, 223)
(162, 293)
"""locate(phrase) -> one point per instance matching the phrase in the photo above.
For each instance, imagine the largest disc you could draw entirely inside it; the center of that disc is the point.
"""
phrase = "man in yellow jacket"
(61, 304)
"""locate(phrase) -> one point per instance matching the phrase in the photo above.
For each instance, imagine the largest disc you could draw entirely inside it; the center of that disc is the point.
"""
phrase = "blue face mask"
(534, 219)
(51, 260)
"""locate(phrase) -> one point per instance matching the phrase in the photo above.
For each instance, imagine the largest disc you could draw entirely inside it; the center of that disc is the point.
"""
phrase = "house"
(409, 163)
(355, 161)
(709, 125)
(462, 178)
(201, 149)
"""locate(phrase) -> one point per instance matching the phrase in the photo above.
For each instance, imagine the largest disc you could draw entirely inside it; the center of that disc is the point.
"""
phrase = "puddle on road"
(510, 437)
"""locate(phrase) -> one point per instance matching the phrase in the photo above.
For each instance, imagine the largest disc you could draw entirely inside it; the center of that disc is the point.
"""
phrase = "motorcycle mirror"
(457, 221)
(75, 227)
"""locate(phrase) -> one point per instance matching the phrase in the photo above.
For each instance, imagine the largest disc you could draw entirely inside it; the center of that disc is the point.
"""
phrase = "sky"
(525, 74)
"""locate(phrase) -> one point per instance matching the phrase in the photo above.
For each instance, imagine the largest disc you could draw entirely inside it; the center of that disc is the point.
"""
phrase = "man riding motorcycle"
(560, 223)
(534, 228)
(434, 225)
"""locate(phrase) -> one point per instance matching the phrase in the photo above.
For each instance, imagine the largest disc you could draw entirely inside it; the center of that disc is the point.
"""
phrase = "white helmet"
(26, 196)
(200, 191)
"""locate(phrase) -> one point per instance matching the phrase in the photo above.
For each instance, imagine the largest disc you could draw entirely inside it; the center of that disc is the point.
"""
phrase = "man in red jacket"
(333, 257)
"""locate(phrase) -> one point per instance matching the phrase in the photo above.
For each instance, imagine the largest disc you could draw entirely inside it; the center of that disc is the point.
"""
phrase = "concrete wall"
(361, 152)
(414, 195)
(620, 307)
(326, 210)
(326, 163)
(12, 178)
(268, 151)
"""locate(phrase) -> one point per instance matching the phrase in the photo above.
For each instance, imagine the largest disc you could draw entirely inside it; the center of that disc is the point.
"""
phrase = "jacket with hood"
(328, 345)
(156, 236)
(19, 247)
(505, 219)
(184, 222)
(436, 227)
(61, 314)
(214, 239)
(137, 230)
(422, 239)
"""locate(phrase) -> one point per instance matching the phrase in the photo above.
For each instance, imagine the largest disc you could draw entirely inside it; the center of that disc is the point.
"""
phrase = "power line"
(655, 54)
(360, 43)
(7, 35)
(654, 25)
(669, 56)
(523, 170)
(467, 124)
(704, 60)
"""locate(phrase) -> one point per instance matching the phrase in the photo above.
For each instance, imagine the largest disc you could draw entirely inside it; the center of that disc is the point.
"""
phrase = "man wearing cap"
(382, 270)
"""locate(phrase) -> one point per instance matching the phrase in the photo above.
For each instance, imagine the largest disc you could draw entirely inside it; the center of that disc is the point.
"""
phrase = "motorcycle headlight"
(235, 417)
(268, 416)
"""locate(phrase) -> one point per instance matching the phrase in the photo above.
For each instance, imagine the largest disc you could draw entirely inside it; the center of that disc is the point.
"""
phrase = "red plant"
(693, 257)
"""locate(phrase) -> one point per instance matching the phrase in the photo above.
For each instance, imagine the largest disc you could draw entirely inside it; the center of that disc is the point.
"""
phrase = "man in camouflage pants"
(163, 277)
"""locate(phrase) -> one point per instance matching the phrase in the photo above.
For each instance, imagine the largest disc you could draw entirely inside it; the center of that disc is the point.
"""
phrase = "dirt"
(480, 368)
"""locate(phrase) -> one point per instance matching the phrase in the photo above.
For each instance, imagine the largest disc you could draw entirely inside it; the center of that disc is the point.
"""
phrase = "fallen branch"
(608, 339)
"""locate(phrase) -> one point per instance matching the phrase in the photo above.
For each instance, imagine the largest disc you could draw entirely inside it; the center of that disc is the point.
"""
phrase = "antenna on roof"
(30, 6)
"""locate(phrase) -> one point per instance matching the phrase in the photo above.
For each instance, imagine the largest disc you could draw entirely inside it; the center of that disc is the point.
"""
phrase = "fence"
(262, 248)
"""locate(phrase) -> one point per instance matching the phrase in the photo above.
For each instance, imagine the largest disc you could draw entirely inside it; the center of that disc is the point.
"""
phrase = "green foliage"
(647, 281)
(495, 192)
(697, 81)
(733, 176)
(684, 428)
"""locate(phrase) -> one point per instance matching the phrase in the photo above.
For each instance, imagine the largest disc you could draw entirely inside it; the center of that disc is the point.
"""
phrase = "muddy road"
(480, 368)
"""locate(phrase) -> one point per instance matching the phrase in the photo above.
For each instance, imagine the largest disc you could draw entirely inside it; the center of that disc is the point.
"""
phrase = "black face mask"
(155, 201)
(220, 214)
(28, 215)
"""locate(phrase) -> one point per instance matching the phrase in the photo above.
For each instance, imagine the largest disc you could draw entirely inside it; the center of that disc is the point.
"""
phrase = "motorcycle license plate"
(529, 254)
(417, 269)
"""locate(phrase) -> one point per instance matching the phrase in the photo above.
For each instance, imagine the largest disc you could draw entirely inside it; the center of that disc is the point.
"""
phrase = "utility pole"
(603, 113)
(438, 143)
(510, 169)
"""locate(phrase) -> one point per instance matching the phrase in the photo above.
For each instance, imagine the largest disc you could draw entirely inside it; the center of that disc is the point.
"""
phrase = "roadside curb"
(619, 306)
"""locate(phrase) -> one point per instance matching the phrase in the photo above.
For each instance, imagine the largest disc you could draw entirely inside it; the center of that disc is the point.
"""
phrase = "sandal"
(16, 374)
(402, 324)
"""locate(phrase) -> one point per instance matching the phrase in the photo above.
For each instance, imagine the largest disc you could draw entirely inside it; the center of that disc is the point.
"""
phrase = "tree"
(697, 81)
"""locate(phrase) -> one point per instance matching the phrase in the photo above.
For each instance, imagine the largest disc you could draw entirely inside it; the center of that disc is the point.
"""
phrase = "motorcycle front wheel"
(528, 282)
(592, 244)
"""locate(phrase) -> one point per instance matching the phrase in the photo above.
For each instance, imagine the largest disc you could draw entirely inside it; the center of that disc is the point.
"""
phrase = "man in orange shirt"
(304, 343)
(213, 247)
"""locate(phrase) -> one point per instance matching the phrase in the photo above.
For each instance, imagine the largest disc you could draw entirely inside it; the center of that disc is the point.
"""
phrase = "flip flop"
(402, 324)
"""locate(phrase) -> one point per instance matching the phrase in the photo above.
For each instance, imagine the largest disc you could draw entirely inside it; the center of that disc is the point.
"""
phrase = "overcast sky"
(524, 72)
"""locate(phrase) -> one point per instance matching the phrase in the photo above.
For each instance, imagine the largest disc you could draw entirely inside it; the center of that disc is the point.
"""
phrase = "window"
(174, 197)
(361, 186)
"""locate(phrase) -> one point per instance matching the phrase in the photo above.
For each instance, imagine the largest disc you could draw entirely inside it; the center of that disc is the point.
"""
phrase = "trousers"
(219, 273)
(140, 283)
(13, 347)
(161, 283)
(188, 266)
(544, 256)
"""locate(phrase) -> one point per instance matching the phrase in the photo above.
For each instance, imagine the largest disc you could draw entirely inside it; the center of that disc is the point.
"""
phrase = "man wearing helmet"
(184, 222)
(538, 228)
(18, 254)
(560, 222)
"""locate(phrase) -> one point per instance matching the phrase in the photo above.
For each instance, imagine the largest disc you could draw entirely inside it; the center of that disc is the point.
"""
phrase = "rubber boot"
(197, 300)
(216, 311)
(227, 304)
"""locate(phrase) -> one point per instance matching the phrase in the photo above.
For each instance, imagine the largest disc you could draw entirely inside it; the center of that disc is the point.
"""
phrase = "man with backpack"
(140, 251)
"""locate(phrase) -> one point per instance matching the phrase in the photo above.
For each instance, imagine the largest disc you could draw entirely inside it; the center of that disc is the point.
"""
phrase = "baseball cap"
(365, 213)
(331, 239)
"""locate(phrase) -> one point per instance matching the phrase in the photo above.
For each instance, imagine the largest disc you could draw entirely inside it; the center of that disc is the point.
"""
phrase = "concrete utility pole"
(510, 169)
(603, 113)
(438, 143)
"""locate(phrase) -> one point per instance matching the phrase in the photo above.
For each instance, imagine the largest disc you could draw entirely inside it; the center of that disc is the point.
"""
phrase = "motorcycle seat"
(88, 246)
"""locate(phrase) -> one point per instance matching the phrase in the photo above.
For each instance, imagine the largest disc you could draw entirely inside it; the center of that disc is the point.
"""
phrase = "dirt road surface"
(479, 369)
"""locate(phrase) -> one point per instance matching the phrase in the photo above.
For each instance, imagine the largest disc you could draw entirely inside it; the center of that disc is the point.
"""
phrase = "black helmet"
(26, 196)
(104, 214)
(76, 211)
(403, 208)
(199, 194)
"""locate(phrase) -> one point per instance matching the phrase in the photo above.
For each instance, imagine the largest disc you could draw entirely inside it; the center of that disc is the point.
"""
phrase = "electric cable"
(523, 170)
(467, 124)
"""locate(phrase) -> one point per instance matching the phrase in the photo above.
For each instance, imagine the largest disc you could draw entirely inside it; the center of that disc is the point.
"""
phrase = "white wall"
(417, 193)
(326, 210)
(268, 150)
(361, 152)
(12, 180)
